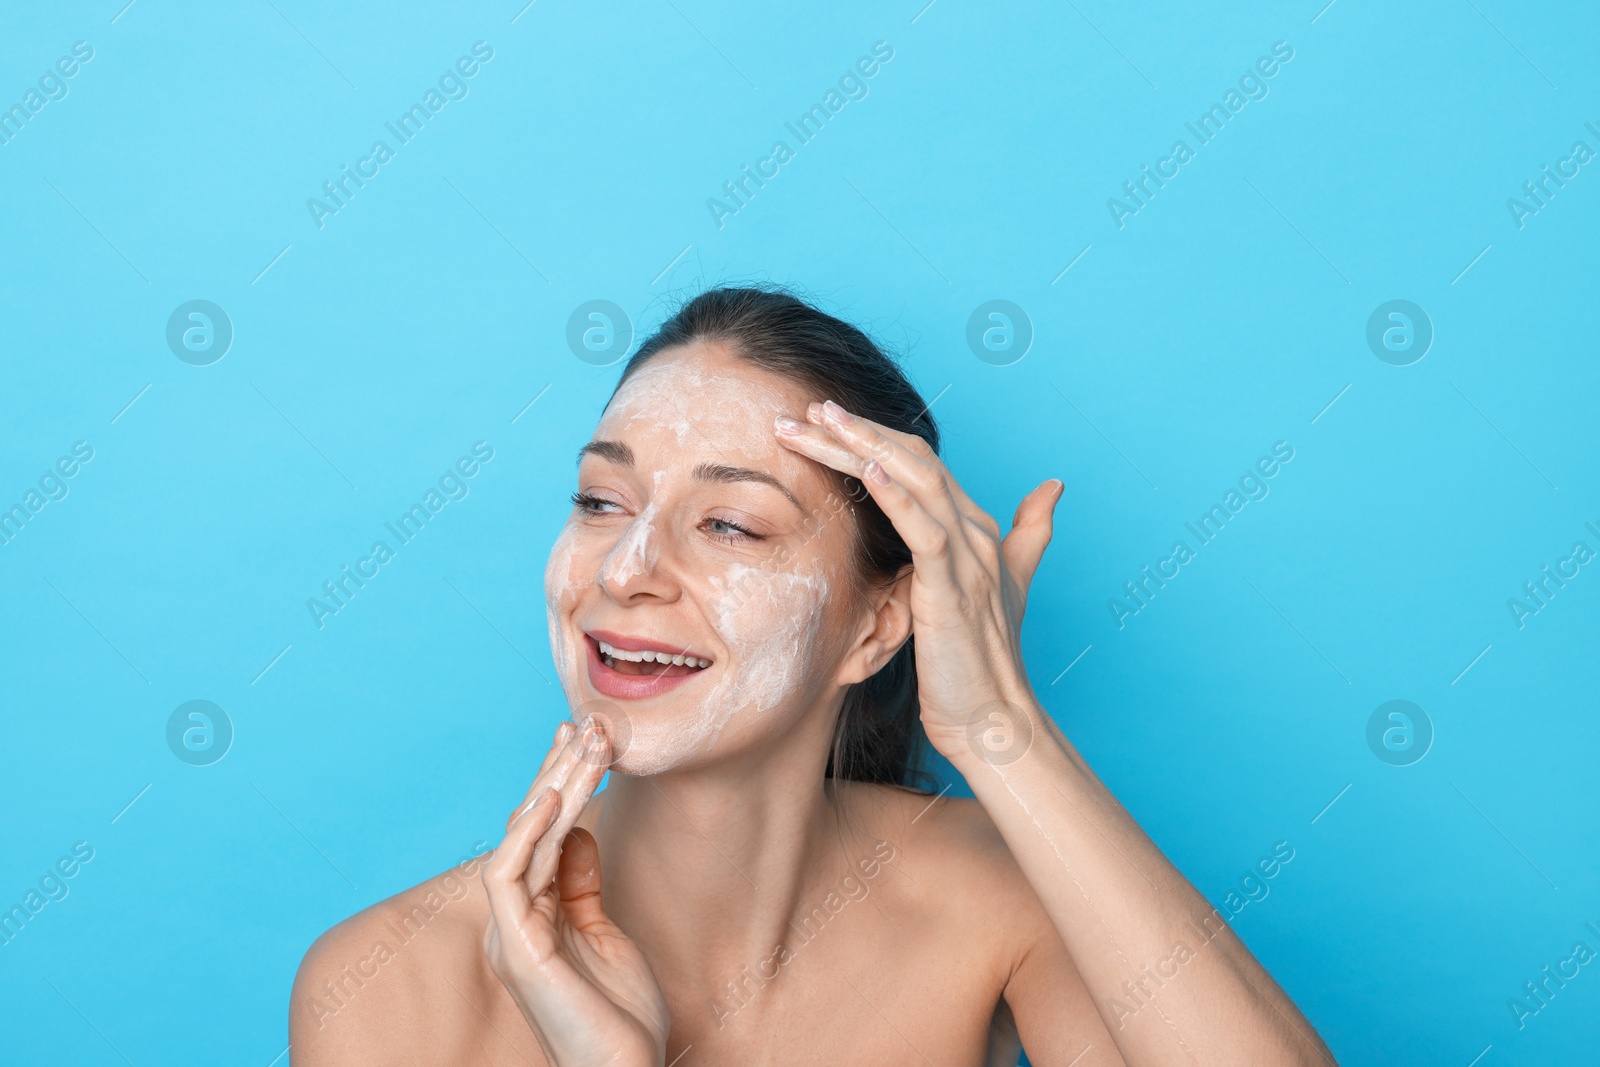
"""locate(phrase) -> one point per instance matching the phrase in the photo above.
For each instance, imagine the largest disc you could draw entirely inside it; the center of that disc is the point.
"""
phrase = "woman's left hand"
(1121, 899)
(969, 584)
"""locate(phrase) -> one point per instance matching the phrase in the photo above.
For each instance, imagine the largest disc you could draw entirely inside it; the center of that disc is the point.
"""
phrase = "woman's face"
(700, 537)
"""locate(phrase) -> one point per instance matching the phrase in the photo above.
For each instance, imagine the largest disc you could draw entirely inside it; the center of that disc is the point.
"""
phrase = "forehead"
(700, 400)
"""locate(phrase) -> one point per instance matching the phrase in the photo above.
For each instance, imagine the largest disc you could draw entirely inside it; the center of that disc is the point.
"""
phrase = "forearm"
(1172, 981)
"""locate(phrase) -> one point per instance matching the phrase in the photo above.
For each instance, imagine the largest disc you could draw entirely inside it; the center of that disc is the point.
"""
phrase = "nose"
(631, 569)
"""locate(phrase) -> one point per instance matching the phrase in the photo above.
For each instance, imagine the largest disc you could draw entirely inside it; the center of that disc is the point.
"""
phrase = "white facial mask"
(770, 622)
(639, 548)
(559, 594)
(663, 395)
(769, 619)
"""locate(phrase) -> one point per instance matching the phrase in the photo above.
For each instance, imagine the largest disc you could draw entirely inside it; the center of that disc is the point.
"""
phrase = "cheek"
(771, 621)
(560, 593)
(559, 586)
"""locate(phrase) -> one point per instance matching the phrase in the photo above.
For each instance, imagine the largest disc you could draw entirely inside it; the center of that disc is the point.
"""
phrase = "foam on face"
(769, 619)
(659, 396)
(559, 593)
(638, 549)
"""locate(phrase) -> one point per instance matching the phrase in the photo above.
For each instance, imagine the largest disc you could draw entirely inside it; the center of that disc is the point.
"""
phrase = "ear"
(882, 634)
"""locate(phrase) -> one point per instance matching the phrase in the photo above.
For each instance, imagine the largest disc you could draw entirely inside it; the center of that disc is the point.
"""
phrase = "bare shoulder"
(977, 902)
(954, 855)
(377, 987)
(953, 834)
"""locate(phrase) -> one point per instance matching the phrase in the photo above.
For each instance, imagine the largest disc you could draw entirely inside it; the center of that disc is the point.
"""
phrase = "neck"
(706, 867)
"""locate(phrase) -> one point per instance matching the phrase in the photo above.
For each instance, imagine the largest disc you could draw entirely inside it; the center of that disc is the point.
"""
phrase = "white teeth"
(651, 657)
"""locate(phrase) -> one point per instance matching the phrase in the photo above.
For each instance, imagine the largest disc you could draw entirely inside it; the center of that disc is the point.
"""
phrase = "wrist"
(996, 735)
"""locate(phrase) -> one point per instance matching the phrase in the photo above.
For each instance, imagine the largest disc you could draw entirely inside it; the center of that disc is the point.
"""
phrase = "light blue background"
(1223, 317)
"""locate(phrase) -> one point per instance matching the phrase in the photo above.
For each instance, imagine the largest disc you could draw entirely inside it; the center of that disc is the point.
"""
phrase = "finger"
(564, 734)
(511, 859)
(930, 541)
(919, 447)
(592, 762)
(563, 737)
(815, 442)
(578, 881)
(935, 519)
(521, 928)
(575, 795)
(1031, 531)
(925, 480)
(921, 472)
(555, 774)
(503, 875)
(867, 439)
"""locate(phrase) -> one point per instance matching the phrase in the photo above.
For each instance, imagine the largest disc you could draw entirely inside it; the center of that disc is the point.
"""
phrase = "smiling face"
(704, 583)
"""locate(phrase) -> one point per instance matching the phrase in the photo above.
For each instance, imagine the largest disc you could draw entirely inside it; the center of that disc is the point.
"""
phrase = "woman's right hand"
(582, 984)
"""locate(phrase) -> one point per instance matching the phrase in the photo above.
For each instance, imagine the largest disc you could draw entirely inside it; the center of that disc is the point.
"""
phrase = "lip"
(629, 686)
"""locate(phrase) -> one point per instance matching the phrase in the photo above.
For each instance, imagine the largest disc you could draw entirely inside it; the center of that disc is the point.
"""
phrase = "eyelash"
(586, 501)
(590, 503)
(733, 539)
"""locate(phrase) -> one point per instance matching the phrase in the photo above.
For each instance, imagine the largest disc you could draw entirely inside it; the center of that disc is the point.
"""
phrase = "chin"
(655, 748)
(641, 763)
(635, 765)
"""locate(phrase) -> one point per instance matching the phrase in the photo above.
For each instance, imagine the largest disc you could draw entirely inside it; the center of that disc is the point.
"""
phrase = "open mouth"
(667, 664)
(634, 667)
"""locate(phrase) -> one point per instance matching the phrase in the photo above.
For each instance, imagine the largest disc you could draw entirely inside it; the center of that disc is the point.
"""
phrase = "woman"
(770, 594)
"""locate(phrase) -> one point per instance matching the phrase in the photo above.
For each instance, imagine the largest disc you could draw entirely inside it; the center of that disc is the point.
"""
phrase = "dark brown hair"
(879, 735)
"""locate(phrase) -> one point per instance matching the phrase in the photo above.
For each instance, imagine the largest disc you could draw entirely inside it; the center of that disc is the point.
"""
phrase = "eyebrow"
(615, 451)
(721, 472)
(622, 456)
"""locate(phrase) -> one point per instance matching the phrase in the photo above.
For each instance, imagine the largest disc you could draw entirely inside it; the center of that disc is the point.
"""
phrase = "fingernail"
(875, 473)
(588, 722)
(814, 411)
(837, 412)
(787, 425)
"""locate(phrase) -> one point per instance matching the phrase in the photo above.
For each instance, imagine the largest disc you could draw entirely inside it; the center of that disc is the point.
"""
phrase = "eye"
(590, 503)
(718, 528)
